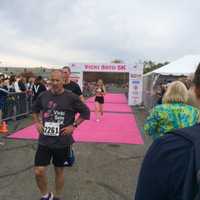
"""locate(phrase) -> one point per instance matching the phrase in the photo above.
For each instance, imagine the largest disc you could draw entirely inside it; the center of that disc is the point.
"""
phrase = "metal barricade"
(16, 105)
(149, 100)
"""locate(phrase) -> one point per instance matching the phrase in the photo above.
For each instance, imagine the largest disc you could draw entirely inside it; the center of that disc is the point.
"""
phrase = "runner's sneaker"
(56, 198)
(50, 197)
(70, 159)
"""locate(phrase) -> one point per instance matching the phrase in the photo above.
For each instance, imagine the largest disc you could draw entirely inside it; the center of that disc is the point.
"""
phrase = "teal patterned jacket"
(167, 117)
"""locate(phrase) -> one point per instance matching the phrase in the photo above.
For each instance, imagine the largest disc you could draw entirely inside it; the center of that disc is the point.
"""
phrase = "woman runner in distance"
(99, 99)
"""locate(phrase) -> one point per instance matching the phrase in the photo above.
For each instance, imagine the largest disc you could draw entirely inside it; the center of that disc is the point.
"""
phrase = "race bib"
(51, 129)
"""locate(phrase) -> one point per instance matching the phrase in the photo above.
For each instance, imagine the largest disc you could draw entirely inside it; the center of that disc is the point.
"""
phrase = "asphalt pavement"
(101, 171)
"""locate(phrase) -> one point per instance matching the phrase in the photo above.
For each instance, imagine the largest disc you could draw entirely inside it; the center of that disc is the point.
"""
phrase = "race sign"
(135, 76)
(51, 129)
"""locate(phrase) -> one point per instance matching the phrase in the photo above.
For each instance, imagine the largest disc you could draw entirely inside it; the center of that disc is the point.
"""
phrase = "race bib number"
(51, 129)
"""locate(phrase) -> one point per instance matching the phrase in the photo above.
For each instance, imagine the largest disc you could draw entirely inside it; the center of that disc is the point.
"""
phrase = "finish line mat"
(118, 127)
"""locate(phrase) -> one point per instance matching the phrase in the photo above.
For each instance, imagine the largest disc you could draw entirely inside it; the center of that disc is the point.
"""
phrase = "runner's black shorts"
(44, 155)
(99, 99)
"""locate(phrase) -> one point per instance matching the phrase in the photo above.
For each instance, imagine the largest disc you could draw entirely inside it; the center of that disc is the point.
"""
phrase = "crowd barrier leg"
(17, 105)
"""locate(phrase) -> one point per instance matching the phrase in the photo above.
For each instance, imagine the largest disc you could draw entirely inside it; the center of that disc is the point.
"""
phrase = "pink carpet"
(120, 128)
(112, 98)
(110, 107)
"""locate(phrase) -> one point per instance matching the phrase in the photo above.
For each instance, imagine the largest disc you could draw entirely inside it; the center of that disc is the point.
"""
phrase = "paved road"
(102, 171)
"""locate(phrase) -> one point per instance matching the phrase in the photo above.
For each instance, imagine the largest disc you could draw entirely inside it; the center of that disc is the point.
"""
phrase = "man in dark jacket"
(169, 170)
(38, 87)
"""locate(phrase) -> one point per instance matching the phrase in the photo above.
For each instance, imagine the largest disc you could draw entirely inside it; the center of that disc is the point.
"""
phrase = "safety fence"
(149, 100)
(20, 104)
(16, 105)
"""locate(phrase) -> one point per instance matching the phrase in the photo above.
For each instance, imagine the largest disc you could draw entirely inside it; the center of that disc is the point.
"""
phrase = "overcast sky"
(55, 32)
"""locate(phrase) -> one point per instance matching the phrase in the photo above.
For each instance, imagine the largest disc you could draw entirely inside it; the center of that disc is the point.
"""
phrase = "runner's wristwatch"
(75, 125)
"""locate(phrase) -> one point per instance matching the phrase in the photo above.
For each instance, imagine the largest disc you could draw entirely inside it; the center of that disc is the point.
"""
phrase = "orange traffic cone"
(4, 128)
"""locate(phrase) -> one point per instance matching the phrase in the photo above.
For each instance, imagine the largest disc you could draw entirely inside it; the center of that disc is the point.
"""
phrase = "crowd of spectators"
(24, 89)
(20, 91)
(19, 83)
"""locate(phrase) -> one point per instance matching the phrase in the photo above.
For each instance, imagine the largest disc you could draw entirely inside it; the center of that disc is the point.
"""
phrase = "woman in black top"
(99, 99)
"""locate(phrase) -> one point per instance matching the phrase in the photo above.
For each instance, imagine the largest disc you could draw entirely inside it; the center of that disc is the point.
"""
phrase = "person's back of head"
(176, 92)
(194, 91)
(171, 167)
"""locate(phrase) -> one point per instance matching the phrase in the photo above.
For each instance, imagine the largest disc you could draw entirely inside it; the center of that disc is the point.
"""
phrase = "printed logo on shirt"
(53, 115)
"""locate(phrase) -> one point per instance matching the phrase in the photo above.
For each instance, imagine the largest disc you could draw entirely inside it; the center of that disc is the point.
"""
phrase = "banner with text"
(135, 76)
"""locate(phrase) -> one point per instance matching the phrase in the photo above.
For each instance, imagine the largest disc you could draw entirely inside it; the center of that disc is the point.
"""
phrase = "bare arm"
(39, 125)
(104, 90)
(82, 98)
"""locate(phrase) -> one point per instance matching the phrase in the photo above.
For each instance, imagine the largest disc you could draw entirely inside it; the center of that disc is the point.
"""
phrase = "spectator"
(3, 95)
(38, 87)
(160, 93)
(5, 84)
(12, 84)
(22, 84)
(173, 113)
(16, 85)
(168, 171)
(30, 84)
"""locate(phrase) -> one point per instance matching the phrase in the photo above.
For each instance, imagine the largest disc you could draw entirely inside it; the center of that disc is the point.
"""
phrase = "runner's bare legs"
(41, 179)
(59, 181)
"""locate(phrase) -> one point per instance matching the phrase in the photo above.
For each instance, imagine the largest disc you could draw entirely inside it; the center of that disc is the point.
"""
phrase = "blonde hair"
(176, 92)
(101, 84)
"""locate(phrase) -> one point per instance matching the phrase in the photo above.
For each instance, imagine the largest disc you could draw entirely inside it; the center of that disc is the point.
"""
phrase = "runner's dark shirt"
(60, 109)
(74, 87)
(167, 167)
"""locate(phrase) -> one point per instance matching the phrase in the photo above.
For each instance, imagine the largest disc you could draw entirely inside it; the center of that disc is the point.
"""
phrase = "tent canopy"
(183, 66)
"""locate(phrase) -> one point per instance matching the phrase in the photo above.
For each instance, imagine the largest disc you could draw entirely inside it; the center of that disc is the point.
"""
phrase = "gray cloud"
(52, 32)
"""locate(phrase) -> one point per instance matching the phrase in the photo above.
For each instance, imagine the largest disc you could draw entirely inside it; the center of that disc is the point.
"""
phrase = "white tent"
(183, 66)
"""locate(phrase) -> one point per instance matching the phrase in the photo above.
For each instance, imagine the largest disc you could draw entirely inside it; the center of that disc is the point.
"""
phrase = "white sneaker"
(49, 197)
